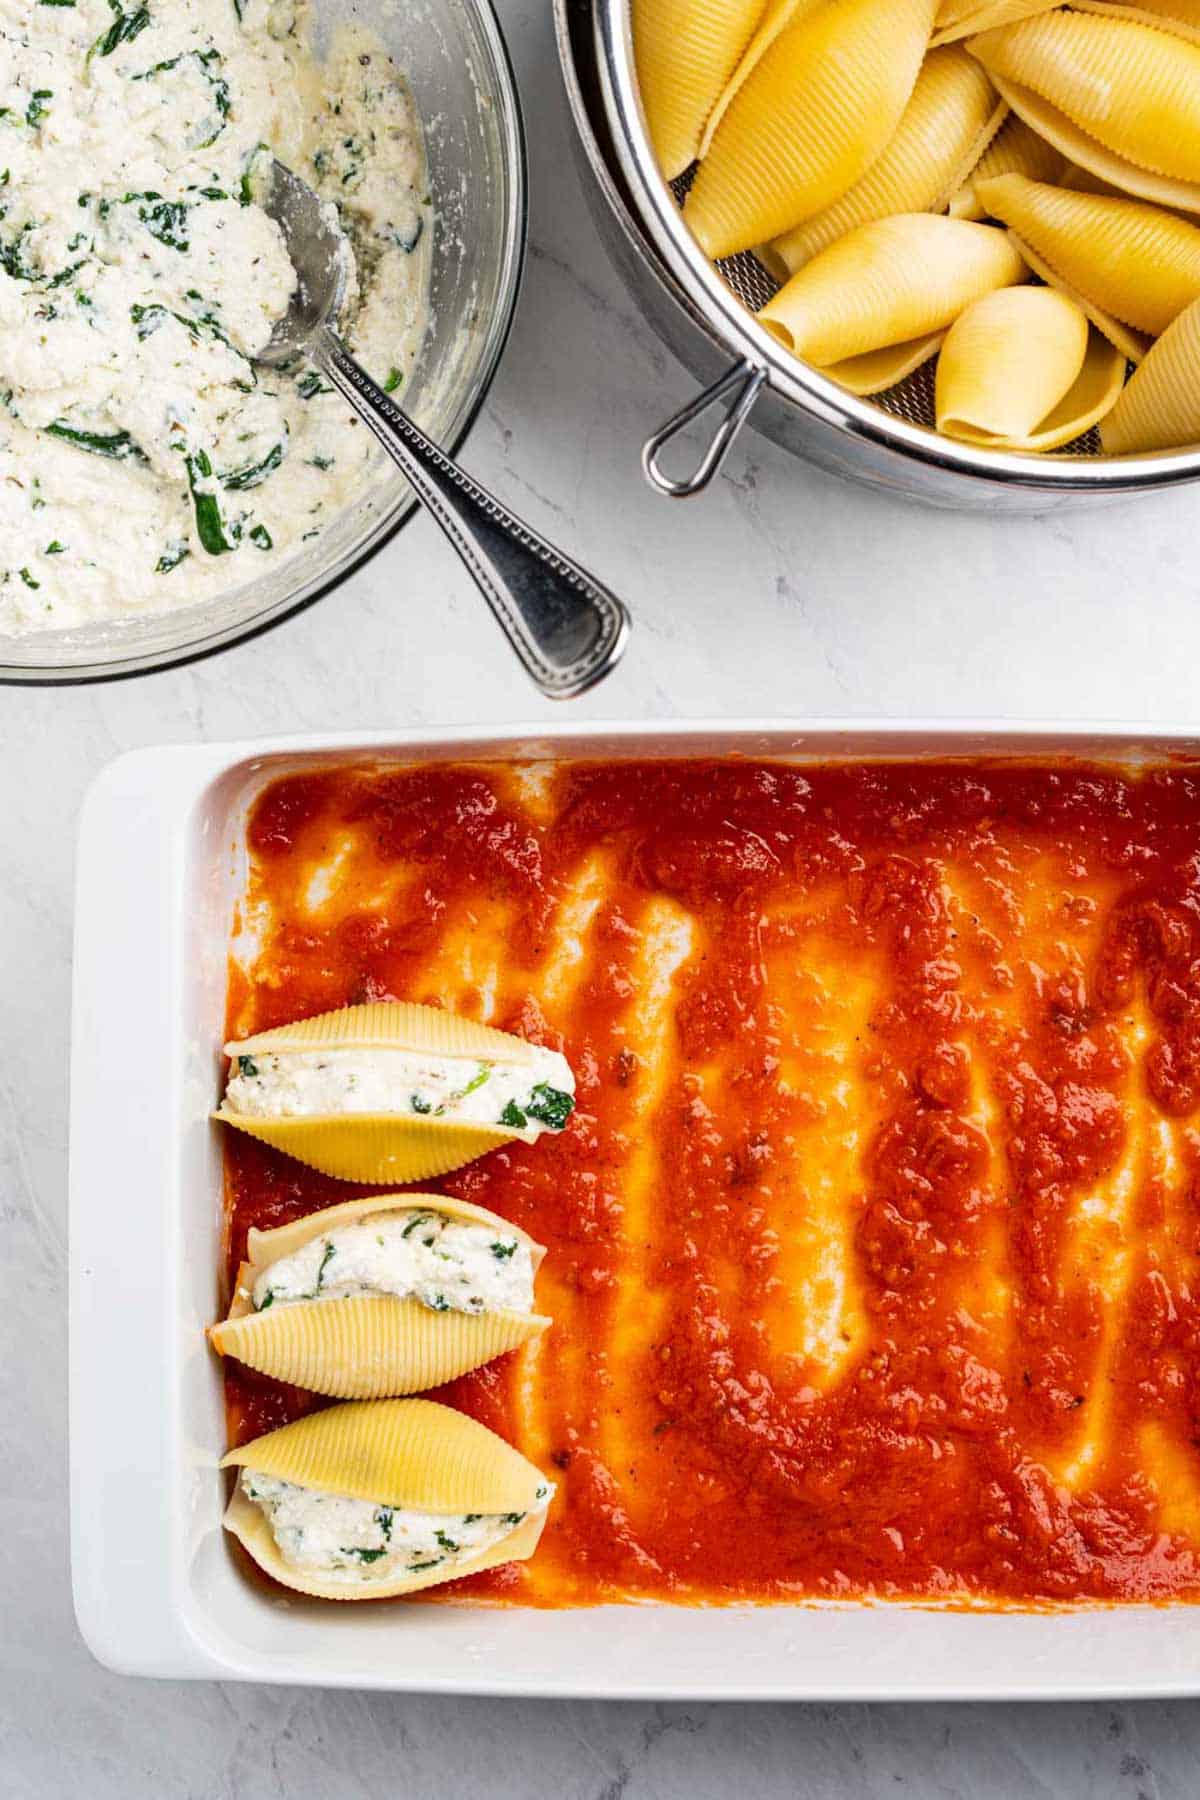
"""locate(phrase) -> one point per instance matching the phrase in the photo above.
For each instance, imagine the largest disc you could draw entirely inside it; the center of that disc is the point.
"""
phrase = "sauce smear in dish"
(874, 1240)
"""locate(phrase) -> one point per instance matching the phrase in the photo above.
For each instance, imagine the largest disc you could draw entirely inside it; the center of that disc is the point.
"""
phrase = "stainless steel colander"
(704, 314)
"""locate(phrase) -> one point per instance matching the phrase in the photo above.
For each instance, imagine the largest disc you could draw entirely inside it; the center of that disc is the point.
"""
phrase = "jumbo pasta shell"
(371, 1345)
(1160, 408)
(779, 14)
(1128, 264)
(366, 1346)
(389, 1025)
(1117, 97)
(957, 19)
(1016, 150)
(1179, 16)
(404, 1453)
(952, 115)
(686, 52)
(891, 282)
(808, 121)
(382, 1147)
(415, 1454)
(1021, 370)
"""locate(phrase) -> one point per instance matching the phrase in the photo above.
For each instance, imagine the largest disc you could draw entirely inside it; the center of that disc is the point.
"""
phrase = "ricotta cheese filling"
(146, 462)
(533, 1096)
(449, 1265)
(358, 1541)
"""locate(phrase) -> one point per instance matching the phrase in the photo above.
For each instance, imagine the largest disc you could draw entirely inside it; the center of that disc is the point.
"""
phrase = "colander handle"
(741, 384)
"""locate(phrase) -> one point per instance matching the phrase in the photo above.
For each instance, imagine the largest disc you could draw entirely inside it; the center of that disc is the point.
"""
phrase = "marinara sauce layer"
(874, 1241)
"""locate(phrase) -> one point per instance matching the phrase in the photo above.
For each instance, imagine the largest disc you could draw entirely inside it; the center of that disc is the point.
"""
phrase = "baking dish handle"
(742, 385)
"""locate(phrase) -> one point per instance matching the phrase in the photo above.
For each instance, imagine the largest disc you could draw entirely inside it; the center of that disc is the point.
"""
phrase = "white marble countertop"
(779, 593)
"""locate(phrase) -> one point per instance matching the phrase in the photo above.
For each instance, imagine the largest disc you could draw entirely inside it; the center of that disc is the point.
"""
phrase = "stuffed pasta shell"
(393, 1092)
(381, 1498)
(382, 1296)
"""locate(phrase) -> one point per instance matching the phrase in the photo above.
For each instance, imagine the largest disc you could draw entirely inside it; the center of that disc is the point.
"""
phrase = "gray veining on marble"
(781, 592)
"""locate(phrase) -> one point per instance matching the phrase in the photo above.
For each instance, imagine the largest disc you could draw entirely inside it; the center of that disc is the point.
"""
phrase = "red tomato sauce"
(874, 1241)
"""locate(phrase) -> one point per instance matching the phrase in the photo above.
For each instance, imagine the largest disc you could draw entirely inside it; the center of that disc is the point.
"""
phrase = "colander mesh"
(910, 400)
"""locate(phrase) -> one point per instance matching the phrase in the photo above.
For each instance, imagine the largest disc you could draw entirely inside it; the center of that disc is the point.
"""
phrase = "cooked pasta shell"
(958, 19)
(891, 282)
(808, 121)
(1160, 408)
(389, 1025)
(1016, 150)
(412, 1454)
(1179, 16)
(953, 113)
(879, 370)
(686, 51)
(1119, 98)
(382, 1147)
(778, 16)
(1021, 370)
(369, 1345)
(1132, 267)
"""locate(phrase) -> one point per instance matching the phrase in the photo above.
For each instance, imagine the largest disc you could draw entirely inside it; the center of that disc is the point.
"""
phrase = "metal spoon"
(567, 629)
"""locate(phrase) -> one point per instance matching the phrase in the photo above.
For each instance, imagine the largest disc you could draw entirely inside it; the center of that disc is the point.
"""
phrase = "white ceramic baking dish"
(156, 1591)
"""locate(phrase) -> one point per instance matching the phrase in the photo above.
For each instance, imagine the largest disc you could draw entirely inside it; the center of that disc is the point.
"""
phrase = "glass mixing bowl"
(454, 57)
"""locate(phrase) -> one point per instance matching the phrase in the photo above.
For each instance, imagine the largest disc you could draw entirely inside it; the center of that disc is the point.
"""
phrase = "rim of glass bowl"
(511, 123)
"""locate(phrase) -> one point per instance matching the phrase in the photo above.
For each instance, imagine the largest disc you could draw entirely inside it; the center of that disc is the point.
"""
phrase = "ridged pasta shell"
(808, 121)
(778, 16)
(415, 1454)
(377, 1147)
(1126, 263)
(1021, 370)
(382, 1147)
(404, 1453)
(1160, 407)
(1016, 150)
(686, 52)
(370, 1345)
(954, 112)
(389, 1025)
(891, 282)
(957, 19)
(1179, 16)
(1115, 96)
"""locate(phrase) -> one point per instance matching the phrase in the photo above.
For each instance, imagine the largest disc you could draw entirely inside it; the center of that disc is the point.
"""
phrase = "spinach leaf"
(118, 445)
(210, 527)
(550, 1105)
(238, 480)
(124, 28)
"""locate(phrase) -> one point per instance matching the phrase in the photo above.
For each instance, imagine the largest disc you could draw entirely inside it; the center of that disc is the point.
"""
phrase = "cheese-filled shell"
(393, 1092)
(1117, 97)
(1160, 407)
(686, 51)
(1015, 150)
(1021, 370)
(381, 1498)
(808, 121)
(890, 282)
(953, 113)
(1122, 260)
(957, 19)
(390, 1295)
